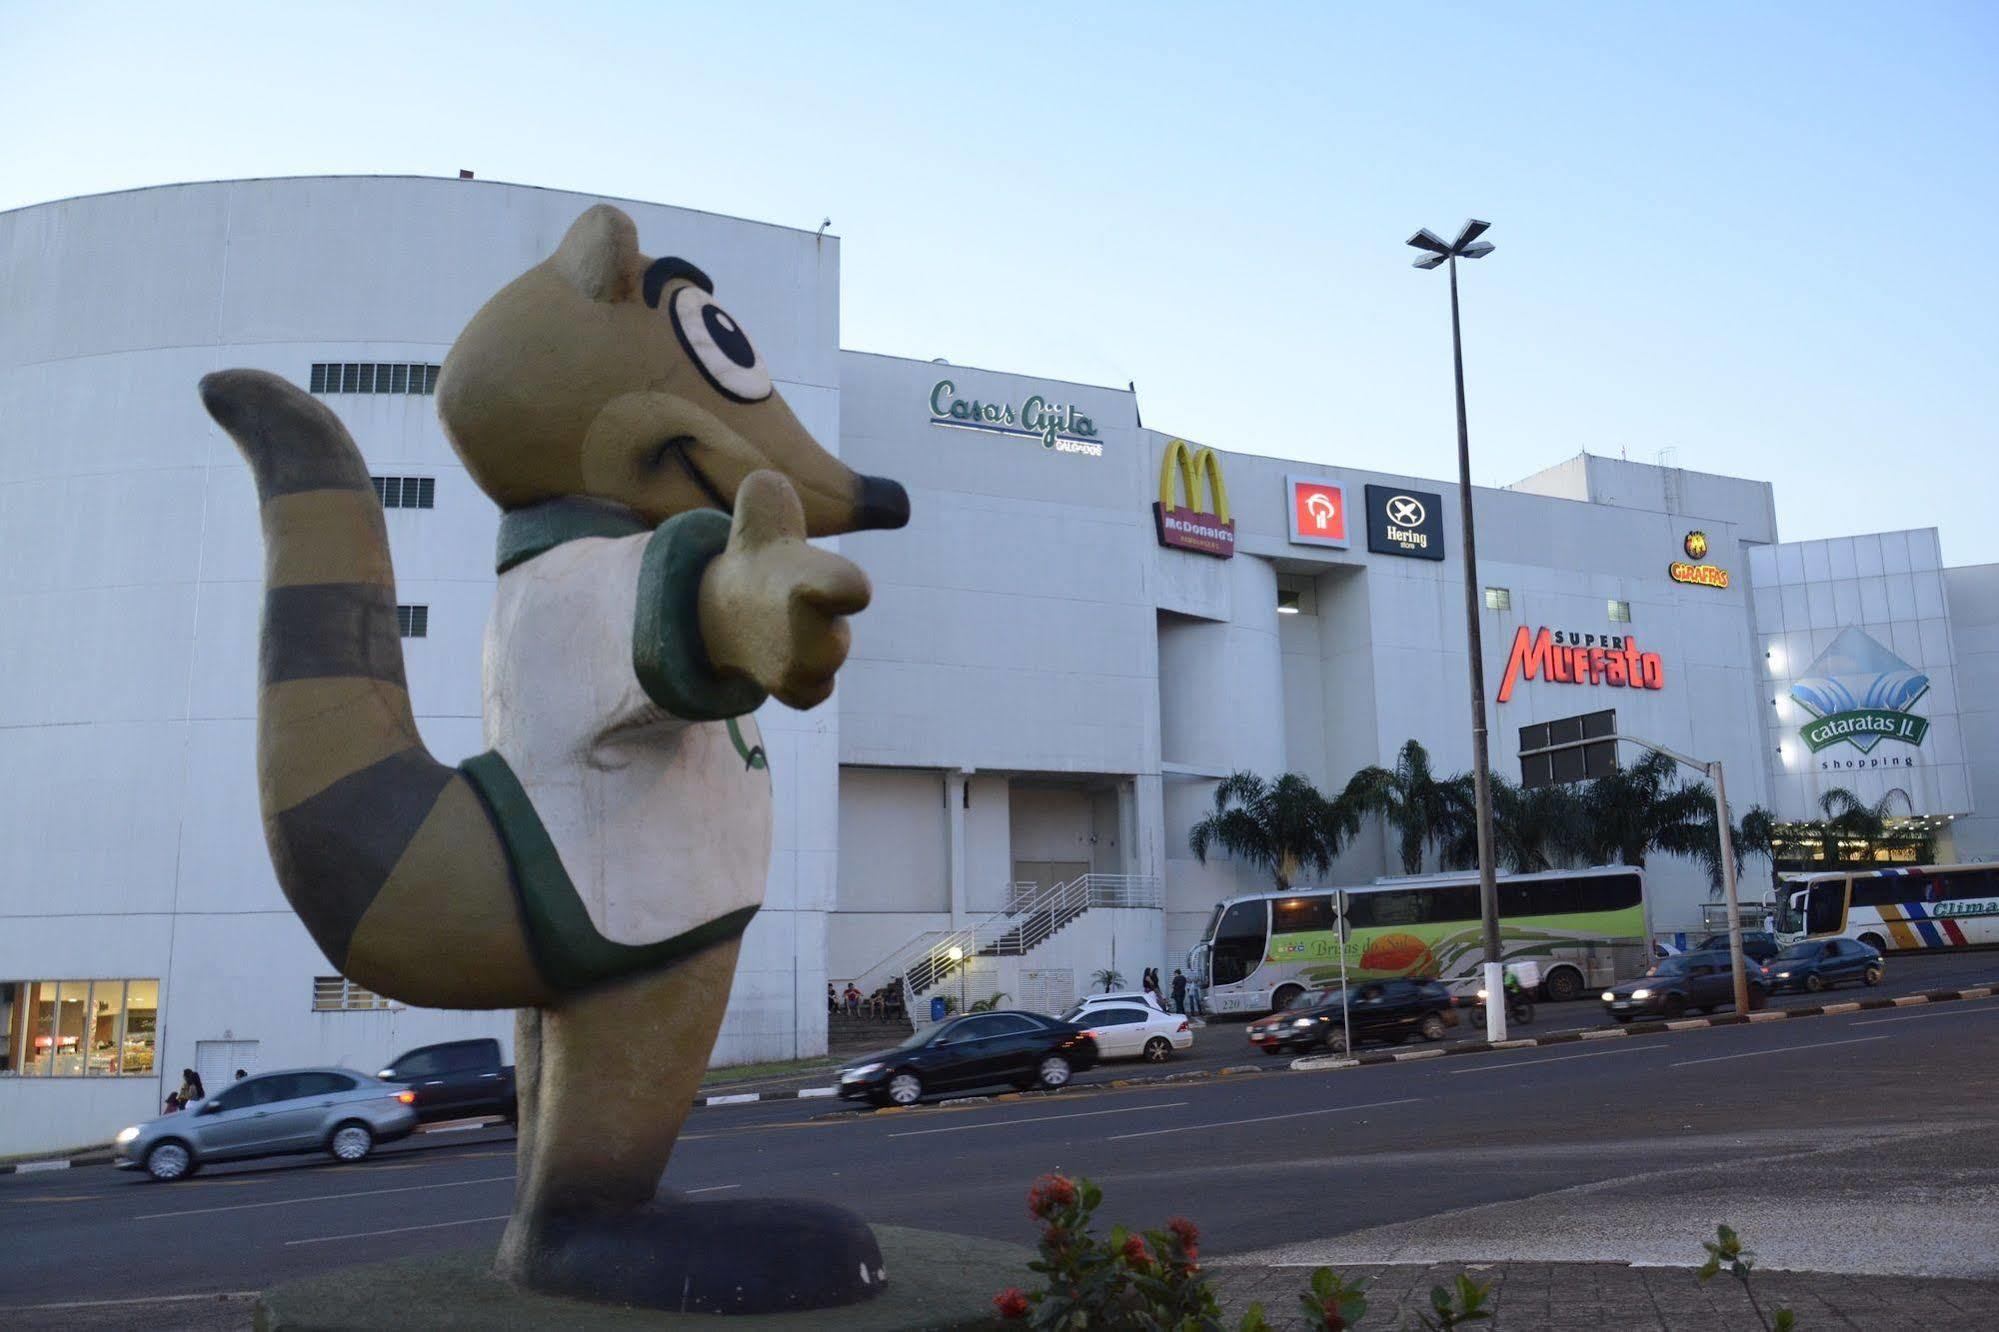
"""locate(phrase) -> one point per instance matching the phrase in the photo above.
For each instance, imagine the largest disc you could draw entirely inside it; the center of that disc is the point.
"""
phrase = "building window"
(78, 1028)
(373, 377)
(1498, 599)
(1620, 611)
(337, 994)
(406, 492)
(413, 621)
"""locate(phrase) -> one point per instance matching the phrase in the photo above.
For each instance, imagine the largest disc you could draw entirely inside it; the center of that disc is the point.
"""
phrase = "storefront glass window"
(107, 1014)
(72, 1001)
(78, 1028)
(142, 1012)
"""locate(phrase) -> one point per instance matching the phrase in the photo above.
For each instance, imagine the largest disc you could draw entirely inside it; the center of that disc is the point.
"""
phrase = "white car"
(1089, 1001)
(1133, 1030)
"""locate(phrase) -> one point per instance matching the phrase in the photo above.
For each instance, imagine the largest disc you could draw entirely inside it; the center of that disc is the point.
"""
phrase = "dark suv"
(456, 1080)
(1759, 946)
(1387, 1010)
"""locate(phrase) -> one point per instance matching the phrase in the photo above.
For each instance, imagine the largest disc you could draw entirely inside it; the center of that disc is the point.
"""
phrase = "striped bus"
(1895, 910)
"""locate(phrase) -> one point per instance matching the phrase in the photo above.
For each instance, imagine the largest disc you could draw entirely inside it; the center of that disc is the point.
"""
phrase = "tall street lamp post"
(1437, 252)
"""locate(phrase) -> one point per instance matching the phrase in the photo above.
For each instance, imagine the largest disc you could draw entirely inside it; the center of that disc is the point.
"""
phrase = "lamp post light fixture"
(1437, 252)
(957, 956)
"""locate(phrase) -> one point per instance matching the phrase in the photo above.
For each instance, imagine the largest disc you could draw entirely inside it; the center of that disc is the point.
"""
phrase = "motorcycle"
(1519, 1009)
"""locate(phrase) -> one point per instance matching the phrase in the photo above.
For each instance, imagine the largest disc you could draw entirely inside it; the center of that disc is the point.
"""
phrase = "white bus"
(1585, 928)
(1895, 910)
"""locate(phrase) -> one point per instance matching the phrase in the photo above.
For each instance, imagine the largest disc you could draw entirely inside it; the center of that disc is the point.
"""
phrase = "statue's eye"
(718, 345)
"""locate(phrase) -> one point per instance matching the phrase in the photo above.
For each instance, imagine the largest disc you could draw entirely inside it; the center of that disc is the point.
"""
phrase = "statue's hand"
(773, 608)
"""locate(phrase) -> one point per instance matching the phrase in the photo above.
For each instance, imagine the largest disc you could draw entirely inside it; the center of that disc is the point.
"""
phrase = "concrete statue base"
(934, 1281)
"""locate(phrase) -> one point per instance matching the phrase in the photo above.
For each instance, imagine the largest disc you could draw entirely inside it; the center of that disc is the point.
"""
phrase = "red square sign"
(1318, 512)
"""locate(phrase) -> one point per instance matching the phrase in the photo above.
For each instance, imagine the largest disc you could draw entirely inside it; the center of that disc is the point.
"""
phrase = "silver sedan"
(333, 1110)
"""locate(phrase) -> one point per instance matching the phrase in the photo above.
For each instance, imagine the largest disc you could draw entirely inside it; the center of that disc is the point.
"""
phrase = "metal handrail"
(1031, 915)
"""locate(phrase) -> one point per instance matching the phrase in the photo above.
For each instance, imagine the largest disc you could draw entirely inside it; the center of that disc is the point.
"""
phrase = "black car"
(976, 1050)
(1757, 945)
(1685, 983)
(1389, 1010)
(456, 1080)
(1818, 964)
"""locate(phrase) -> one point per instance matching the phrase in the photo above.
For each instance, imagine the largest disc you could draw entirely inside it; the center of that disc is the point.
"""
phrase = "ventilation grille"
(373, 377)
(406, 492)
(337, 994)
(413, 621)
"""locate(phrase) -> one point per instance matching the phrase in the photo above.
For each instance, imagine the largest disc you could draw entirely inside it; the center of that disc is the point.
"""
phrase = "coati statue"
(597, 867)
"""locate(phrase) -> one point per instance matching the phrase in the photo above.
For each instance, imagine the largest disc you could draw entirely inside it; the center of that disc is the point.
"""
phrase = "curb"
(1318, 1063)
(750, 1098)
(88, 1157)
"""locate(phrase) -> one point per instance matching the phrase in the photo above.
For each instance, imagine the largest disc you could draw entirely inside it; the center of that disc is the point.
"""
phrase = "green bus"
(1584, 928)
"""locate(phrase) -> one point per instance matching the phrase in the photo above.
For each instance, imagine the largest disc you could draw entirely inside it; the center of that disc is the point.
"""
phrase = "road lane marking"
(326, 1197)
(1265, 1119)
(712, 1188)
(1781, 1049)
(148, 1299)
(1552, 1059)
(1040, 1119)
(1917, 1017)
(397, 1230)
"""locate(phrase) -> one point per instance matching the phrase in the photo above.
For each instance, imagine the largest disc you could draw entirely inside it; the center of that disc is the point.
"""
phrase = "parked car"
(1818, 964)
(1685, 983)
(1759, 945)
(1389, 1010)
(976, 1050)
(1133, 1030)
(456, 1080)
(1139, 997)
(333, 1110)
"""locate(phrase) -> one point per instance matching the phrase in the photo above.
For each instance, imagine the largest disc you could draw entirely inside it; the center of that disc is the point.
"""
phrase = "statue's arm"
(669, 655)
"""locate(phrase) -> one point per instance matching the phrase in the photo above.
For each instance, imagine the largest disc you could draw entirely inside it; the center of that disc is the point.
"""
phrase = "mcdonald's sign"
(1188, 526)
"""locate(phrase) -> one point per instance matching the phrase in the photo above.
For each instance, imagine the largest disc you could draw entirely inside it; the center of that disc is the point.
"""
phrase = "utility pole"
(1468, 246)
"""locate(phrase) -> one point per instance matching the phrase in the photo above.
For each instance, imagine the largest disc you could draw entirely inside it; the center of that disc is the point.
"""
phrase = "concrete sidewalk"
(1529, 1297)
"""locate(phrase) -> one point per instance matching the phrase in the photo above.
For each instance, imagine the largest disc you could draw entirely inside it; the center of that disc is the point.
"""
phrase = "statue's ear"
(600, 255)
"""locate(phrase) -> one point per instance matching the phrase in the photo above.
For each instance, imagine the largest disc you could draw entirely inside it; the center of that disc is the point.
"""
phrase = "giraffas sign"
(1189, 526)
(1572, 658)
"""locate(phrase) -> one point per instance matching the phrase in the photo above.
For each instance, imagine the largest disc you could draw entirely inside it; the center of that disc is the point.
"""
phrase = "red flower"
(1011, 1303)
(1134, 1251)
(1334, 1323)
(1048, 1193)
(1183, 1230)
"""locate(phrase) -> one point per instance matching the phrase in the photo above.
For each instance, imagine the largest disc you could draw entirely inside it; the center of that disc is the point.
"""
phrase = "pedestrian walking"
(1179, 990)
(191, 1089)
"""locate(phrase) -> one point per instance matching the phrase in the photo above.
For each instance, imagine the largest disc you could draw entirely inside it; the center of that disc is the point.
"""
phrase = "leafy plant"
(1135, 1279)
(1282, 827)
(1334, 1303)
(989, 1003)
(1725, 1252)
(1108, 977)
(1463, 1301)
(1423, 809)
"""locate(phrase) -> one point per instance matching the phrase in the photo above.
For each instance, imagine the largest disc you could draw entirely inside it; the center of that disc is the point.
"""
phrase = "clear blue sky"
(1755, 234)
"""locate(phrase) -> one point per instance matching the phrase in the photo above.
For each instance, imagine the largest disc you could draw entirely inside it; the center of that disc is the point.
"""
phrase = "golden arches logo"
(1205, 529)
(1189, 465)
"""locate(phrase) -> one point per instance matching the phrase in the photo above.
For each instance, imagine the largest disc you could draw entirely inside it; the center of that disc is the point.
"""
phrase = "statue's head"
(605, 373)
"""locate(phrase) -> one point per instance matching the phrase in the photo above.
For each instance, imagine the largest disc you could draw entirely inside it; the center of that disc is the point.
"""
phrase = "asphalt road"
(1574, 1146)
(1222, 1042)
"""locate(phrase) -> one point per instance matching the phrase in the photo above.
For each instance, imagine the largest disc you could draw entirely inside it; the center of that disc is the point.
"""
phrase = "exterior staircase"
(1032, 915)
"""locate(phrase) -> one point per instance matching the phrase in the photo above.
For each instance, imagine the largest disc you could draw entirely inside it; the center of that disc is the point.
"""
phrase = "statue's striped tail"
(388, 856)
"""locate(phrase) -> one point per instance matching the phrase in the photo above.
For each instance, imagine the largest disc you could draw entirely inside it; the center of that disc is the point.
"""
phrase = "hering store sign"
(1571, 658)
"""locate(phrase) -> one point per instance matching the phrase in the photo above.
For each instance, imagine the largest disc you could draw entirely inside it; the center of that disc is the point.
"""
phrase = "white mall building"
(1043, 689)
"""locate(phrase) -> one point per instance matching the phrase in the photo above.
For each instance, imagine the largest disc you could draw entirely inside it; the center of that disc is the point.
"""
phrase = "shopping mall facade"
(1085, 624)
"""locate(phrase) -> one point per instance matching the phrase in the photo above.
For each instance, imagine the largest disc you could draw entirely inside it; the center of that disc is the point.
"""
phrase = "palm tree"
(1281, 827)
(1533, 830)
(1848, 817)
(1423, 810)
(1634, 811)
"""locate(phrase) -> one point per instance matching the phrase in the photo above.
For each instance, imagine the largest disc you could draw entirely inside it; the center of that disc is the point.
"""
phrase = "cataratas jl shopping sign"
(1053, 425)
(1860, 693)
